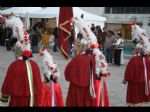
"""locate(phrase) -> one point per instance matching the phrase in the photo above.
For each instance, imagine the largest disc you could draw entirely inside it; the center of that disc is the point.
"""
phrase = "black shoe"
(55, 51)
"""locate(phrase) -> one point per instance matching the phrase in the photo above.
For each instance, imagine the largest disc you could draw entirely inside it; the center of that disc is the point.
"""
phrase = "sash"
(30, 79)
(53, 94)
(92, 90)
(145, 76)
(103, 99)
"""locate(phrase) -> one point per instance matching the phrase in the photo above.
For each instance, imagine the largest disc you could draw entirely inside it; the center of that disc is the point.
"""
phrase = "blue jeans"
(108, 54)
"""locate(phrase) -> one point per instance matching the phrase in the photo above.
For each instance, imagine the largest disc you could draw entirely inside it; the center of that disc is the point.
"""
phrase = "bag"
(51, 44)
(121, 45)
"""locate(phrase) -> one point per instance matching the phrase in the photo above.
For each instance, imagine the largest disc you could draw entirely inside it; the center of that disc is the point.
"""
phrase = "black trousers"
(13, 41)
(117, 56)
(8, 46)
(55, 46)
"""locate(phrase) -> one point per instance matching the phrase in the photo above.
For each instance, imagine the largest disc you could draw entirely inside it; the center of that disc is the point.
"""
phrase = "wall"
(95, 10)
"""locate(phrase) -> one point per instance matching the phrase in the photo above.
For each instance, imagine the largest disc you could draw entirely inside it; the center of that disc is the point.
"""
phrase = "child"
(51, 93)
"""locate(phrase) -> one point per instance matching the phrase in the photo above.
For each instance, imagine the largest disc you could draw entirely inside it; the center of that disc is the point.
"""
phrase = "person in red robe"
(136, 80)
(51, 92)
(22, 81)
(86, 72)
(77, 72)
(137, 73)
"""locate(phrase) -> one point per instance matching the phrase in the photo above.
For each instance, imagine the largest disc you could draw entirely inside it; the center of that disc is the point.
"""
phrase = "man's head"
(82, 45)
(119, 34)
(111, 33)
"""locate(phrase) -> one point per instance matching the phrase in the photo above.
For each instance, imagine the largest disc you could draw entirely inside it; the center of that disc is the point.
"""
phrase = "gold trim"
(69, 34)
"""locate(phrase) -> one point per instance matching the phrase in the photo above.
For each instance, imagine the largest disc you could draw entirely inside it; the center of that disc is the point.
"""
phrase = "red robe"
(101, 99)
(134, 74)
(77, 73)
(46, 96)
(16, 83)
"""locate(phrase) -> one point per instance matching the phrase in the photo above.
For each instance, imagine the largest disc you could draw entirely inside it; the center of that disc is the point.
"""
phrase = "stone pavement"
(117, 92)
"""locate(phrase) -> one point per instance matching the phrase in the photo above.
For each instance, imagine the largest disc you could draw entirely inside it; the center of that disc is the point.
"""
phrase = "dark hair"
(82, 16)
(98, 27)
(111, 32)
(25, 58)
(120, 34)
(42, 20)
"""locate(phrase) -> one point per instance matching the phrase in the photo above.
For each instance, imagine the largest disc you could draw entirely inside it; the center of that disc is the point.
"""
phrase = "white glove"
(2, 104)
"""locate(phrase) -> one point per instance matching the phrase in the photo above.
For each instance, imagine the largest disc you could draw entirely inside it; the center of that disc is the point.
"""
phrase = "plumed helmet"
(90, 38)
(49, 67)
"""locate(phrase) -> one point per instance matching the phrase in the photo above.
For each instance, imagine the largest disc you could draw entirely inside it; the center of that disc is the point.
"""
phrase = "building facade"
(118, 18)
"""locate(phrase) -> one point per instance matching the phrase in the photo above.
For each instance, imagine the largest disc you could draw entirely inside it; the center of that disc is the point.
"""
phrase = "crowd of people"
(39, 35)
(87, 71)
(110, 43)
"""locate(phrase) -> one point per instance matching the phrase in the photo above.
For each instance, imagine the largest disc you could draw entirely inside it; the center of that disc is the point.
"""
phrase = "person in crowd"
(118, 50)
(13, 39)
(104, 35)
(137, 73)
(1, 33)
(51, 94)
(35, 40)
(42, 25)
(109, 44)
(55, 33)
(51, 39)
(8, 38)
(45, 39)
(99, 36)
(93, 28)
(71, 40)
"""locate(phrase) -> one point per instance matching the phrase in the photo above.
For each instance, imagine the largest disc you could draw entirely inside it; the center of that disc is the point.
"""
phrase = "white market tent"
(51, 12)
(22, 12)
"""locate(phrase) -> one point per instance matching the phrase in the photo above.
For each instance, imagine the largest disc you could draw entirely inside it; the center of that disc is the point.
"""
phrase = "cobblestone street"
(117, 92)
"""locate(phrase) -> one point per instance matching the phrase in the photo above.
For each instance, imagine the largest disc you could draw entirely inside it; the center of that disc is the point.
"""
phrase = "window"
(127, 10)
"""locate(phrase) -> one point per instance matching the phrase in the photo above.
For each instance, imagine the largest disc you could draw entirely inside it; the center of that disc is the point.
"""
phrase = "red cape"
(78, 70)
(135, 70)
(134, 74)
(46, 96)
(16, 83)
(77, 73)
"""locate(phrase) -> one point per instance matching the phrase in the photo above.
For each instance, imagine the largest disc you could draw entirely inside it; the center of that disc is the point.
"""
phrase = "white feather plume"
(18, 31)
(89, 37)
(142, 37)
(16, 24)
(49, 66)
